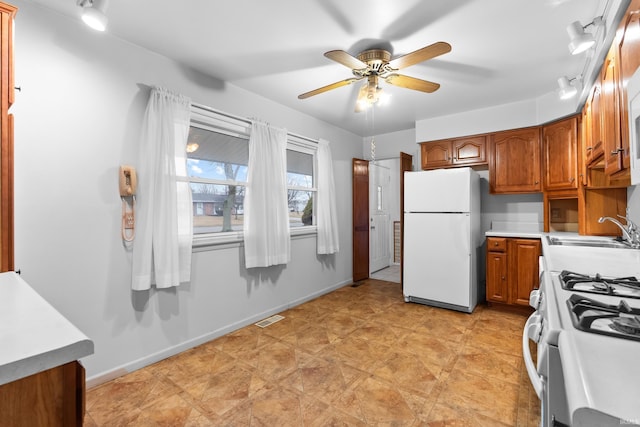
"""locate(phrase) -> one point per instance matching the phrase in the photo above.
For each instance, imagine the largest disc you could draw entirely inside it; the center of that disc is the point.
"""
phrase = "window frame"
(216, 121)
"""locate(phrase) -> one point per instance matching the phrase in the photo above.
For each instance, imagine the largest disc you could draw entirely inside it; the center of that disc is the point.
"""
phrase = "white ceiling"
(502, 50)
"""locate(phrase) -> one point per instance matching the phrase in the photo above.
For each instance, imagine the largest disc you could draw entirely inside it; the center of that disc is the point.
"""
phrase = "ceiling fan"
(375, 64)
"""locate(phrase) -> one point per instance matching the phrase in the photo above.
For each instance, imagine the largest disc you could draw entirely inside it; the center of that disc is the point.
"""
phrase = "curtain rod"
(248, 121)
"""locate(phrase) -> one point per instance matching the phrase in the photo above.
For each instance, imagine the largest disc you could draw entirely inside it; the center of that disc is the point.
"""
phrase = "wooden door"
(559, 148)
(523, 269)
(514, 161)
(7, 14)
(406, 165)
(360, 190)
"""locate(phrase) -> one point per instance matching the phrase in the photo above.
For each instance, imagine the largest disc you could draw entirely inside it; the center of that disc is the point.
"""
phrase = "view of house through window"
(217, 168)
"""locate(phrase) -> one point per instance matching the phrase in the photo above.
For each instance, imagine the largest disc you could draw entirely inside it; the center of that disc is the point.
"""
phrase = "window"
(218, 153)
(300, 187)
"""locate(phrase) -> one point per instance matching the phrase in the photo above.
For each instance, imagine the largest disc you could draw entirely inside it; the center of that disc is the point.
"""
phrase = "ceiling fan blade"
(420, 55)
(328, 87)
(342, 57)
(412, 83)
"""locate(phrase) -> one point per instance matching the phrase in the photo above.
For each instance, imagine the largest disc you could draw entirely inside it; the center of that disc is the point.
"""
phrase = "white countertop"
(515, 234)
(524, 230)
(34, 336)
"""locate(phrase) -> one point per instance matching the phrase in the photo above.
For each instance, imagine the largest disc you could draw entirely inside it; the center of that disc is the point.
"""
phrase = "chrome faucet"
(630, 233)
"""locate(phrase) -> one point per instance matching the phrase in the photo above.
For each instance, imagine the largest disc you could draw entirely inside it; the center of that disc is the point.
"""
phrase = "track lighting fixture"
(568, 88)
(93, 13)
(579, 40)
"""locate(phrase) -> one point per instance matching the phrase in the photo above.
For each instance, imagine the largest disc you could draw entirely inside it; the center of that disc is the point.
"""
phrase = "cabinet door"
(560, 142)
(497, 277)
(585, 141)
(523, 269)
(467, 151)
(435, 154)
(595, 149)
(610, 117)
(514, 165)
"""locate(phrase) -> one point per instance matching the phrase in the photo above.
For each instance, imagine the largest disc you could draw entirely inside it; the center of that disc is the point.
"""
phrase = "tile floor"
(389, 274)
(355, 357)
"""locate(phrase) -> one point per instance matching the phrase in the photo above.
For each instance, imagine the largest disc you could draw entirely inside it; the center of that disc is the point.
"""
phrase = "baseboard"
(127, 368)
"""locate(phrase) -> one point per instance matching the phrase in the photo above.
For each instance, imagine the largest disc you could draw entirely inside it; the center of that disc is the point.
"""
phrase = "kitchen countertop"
(516, 234)
(34, 336)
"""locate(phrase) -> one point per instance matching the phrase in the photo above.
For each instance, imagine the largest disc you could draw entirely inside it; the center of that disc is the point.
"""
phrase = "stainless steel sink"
(594, 243)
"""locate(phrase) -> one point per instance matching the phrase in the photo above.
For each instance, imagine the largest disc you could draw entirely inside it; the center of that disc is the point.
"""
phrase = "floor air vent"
(269, 321)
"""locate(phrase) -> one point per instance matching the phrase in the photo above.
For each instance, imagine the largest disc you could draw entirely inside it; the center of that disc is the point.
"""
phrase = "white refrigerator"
(441, 238)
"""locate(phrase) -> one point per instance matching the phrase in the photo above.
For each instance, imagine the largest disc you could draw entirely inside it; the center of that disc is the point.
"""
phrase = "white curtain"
(164, 217)
(266, 217)
(325, 207)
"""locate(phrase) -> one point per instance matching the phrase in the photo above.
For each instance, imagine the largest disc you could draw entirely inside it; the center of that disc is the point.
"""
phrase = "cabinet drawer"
(497, 244)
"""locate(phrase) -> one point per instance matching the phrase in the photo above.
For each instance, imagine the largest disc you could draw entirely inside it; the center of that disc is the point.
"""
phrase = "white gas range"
(587, 325)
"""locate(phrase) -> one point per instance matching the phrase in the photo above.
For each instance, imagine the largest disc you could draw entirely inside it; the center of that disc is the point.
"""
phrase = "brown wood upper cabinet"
(628, 61)
(605, 156)
(514, 161)
(559, 148)
(466, 151)
(610, 116)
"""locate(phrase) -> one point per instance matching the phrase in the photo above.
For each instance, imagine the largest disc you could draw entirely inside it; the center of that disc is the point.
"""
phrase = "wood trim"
(7, 14)
(406, 165)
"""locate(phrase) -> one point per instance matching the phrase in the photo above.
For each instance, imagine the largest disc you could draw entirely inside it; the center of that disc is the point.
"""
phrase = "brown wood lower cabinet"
(54, 397)
(512, 270)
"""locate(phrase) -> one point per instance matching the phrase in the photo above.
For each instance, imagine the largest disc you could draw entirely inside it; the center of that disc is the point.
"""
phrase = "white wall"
(77, 119)
(389, 146)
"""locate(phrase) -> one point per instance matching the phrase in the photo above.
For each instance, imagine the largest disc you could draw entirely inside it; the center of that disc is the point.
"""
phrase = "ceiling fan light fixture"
(566, 89)
(93, 13)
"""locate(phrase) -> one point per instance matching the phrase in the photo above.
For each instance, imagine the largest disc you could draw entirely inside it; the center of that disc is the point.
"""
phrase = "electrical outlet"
(129, 221)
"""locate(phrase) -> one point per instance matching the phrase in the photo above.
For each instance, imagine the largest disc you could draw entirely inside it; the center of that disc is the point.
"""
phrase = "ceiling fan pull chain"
(373, 149)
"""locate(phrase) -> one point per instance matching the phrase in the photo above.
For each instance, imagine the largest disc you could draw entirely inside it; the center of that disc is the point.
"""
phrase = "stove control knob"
(534, 331)
(534, 298)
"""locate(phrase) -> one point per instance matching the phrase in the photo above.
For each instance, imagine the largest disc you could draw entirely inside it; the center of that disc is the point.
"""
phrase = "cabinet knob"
(572, 179)
(502, 277)
(537, 182)
(589, 148)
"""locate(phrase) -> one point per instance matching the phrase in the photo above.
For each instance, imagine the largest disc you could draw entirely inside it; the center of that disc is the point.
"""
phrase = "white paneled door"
(379, 220)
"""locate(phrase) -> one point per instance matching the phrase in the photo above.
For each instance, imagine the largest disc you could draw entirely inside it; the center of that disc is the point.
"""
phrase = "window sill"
(235, 239)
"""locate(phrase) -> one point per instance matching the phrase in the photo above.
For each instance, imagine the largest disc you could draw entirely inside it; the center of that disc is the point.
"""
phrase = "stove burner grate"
(620, 286)
(589, 315)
